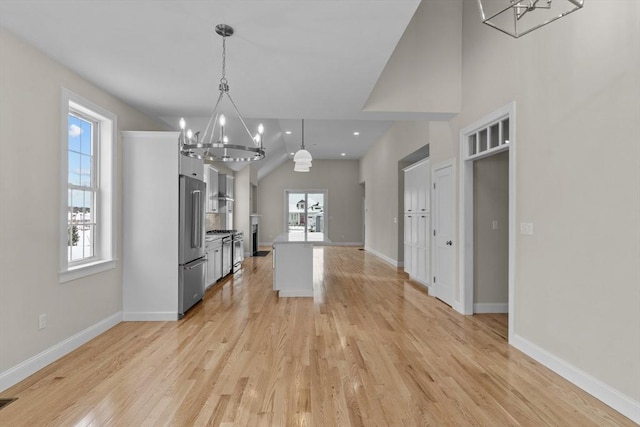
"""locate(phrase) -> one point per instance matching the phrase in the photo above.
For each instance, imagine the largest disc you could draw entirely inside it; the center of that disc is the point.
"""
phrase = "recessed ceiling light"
(293, 154)
(356, 133)
(343, 154)
(288, 132)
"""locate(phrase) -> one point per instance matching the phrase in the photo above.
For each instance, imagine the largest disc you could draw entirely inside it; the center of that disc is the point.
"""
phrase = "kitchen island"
(293, 263)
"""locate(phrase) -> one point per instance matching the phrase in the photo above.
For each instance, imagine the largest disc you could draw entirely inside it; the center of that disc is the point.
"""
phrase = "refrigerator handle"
(196, 220)
(195, 264)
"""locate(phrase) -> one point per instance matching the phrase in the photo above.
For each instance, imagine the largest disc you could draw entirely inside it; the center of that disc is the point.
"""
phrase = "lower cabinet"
(417, 256)
(214, 262)
(293, 269)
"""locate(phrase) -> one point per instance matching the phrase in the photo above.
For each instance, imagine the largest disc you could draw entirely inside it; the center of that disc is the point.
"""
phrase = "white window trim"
(106, 254)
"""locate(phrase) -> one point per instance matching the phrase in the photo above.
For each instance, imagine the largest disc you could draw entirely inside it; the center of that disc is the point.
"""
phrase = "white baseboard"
(32, 365)
(143, 316)
(295, 293)
(493, 307)
(385, 258)
(344, 244)
(607, 394)
(329, 243)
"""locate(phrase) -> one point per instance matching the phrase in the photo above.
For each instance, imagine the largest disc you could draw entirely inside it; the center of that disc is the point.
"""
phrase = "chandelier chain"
(224, 60)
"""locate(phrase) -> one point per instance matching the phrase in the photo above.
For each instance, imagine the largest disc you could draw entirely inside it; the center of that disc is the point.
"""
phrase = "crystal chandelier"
(519, 17)
(215, 144)
(302, 158)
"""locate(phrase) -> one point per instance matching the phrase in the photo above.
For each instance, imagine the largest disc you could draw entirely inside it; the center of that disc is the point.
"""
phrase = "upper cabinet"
(417, 182)
(211, 178)
(230, 191)
(193, 167)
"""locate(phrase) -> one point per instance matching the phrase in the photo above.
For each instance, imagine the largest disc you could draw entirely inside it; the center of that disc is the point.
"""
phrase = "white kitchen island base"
(293, 266)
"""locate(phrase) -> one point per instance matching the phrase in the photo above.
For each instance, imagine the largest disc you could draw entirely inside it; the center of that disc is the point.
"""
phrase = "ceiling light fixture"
(215, 144)
(356, 133)
(302, 157)
(343, 154)
(519, 17)
(288, 132)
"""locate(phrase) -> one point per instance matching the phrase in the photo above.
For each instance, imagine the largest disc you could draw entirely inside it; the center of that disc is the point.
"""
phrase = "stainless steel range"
(232, 250)
(238, 250)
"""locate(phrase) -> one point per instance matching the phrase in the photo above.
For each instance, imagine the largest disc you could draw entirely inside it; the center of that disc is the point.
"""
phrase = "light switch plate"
(526, 228)
(42, 321)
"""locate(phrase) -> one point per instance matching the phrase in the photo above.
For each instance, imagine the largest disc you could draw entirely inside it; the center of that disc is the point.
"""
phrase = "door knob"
(449, 242)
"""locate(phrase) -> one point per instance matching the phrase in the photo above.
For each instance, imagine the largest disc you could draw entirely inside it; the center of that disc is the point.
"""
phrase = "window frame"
(103, 182)
(94, 185)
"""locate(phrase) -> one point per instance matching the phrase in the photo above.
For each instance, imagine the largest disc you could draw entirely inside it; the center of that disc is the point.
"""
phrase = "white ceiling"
(288, 59)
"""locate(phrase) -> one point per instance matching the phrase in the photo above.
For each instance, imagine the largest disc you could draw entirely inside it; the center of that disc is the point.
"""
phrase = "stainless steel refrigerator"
(191, 251)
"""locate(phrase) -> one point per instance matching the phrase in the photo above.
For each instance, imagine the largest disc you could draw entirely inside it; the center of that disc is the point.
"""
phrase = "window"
(493, 137)
(306, 213)
(88, 140)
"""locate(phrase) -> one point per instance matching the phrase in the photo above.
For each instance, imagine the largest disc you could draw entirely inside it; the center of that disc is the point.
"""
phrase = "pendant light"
(302, 158)
(216, 144)
(519, 17)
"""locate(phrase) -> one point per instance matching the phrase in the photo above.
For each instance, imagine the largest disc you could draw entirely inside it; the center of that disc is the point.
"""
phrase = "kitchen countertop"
(216, 236)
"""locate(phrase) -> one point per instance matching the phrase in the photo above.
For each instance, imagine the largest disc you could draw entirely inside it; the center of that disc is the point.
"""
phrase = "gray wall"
(379, 170)
(435, 68)
(344, 206)
(491, 246)
(30, 176)
(576, 87)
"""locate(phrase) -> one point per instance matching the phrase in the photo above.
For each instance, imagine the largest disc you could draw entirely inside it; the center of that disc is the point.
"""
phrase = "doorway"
(306, 213)
(494, 135)
(491, 234)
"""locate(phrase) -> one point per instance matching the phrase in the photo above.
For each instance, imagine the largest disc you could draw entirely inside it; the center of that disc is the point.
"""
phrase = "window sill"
(87, 270)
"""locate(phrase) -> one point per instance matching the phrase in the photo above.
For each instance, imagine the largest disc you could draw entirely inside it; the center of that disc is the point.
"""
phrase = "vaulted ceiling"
(288, 59)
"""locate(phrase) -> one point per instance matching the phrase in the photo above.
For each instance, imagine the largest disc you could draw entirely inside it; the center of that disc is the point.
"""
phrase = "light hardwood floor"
(371, 348)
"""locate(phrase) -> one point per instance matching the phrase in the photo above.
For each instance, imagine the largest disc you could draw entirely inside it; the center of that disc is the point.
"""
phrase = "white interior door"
(443, 226)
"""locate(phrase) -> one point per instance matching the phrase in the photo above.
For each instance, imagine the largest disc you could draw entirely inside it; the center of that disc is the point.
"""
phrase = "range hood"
(223, 194)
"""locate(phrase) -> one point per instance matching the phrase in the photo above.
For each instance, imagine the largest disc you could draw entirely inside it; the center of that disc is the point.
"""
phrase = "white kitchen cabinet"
(417, 225)
(423, 187)
(190, 166)
(293, 265)
(211, 178)
(416, 247)
(417, 179)
(214, 261)
(230, 189)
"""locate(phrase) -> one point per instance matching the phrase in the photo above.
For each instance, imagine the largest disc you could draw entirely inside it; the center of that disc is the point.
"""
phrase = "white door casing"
(444, 241)
(466, 208)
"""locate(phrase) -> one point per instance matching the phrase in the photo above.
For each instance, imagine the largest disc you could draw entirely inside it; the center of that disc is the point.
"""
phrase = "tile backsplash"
(213, 221)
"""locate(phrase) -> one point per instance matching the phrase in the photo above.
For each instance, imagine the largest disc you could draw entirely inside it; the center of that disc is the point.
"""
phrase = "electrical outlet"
(42, 321)
(494, 224)
(395, 220)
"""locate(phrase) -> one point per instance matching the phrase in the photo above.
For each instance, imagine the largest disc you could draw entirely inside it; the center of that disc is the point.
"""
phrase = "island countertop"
(298, 237)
